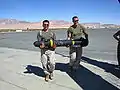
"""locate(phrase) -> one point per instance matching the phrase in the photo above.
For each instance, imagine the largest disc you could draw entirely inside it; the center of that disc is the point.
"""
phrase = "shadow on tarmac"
(86, 79)
(35, 70)
(111, 68)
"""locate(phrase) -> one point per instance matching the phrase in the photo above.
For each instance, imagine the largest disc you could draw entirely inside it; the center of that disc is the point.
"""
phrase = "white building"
(19, 30)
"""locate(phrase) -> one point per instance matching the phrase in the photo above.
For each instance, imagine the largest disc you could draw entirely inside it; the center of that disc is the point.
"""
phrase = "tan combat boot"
(51, 76)
(47, 77)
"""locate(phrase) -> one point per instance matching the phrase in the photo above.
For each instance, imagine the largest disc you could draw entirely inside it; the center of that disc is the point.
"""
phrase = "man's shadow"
(104, 65)
(86, 79)
(35, 70)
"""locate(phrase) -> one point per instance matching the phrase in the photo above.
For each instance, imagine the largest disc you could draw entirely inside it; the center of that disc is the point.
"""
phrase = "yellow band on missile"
(51, 43)
(73, 42)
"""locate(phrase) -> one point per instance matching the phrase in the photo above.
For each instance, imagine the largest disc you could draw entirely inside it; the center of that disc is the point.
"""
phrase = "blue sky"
(104, 11)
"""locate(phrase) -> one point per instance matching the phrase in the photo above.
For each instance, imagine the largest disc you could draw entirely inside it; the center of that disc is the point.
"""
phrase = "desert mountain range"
(17, 24)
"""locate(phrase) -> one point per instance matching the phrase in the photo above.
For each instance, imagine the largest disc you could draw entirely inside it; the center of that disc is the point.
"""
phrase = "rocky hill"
(17, 24)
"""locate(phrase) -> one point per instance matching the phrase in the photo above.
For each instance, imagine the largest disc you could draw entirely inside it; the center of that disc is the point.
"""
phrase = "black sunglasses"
(75, 20)
(45, 24)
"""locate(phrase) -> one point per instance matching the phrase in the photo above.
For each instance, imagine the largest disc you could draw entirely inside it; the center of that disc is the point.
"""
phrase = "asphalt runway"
(102, 44)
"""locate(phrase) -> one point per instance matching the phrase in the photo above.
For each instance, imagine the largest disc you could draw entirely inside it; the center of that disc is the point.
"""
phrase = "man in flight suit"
(47, 53)
(76, 31)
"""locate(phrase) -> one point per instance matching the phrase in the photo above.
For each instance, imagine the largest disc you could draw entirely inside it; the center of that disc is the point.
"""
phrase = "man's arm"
(69, 34)
(39, 38)
(85, 32)
(54, 36)
(117, 36)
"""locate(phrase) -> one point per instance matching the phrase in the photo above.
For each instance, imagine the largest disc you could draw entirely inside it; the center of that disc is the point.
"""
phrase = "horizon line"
(57, 20)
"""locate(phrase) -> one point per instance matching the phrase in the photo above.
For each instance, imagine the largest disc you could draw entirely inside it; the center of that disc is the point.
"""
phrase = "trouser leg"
(44, 63)
(72, 56)
(48, 56)
(75, 56)
(78, 56)
(51, 58)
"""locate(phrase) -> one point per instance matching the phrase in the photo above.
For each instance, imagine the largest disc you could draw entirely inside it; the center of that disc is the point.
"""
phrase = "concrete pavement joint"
(12, 84)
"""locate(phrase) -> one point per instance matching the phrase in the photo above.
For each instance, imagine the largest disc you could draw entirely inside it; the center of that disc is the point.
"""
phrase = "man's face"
(75, 21)
(45, 25)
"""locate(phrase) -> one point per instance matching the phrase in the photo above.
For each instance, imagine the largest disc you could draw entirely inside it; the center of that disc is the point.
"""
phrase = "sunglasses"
(46, 24)
(75, 20)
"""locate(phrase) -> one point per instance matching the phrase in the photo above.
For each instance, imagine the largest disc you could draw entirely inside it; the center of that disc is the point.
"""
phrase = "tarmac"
(21, 70)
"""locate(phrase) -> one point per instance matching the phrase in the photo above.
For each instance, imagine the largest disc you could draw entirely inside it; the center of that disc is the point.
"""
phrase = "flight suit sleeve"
(39, 37)
(54, 36)
(69, 33)
(84, 31)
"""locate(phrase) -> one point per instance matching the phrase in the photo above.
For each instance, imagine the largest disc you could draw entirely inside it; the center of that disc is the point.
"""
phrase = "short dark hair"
(74, 17)
(45, 21)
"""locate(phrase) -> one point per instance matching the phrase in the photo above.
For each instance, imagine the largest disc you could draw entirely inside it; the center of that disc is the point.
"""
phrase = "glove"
(42, 45)
(54, 45)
